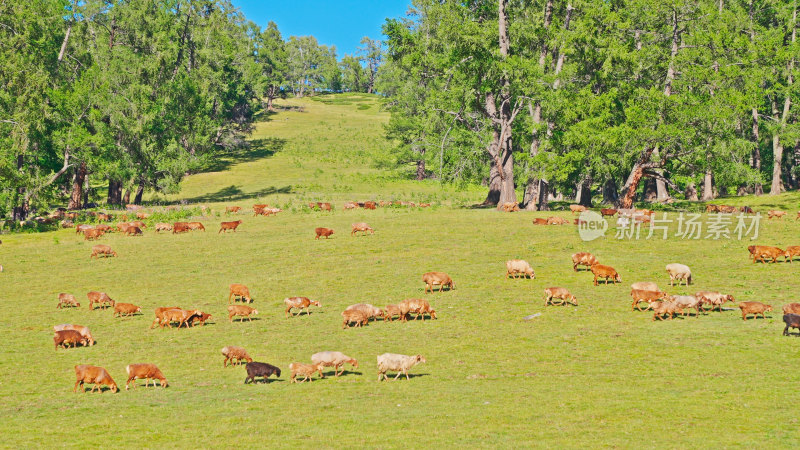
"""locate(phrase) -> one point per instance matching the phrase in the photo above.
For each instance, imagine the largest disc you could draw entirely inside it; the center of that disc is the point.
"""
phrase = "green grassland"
(593, 375)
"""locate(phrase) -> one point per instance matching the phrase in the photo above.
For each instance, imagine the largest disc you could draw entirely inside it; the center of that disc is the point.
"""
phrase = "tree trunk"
(583, 195)
(420, 169)
(708, 186)
(777, 146)
(662, 194)
(610, 193)
(77, 187)
(114, 196)
(126, 199)
(777, 157)
(632, 183)
(691, 192)
(86, 188)
(649, 194)
(137, 200)
(493, 197)
(758, 189)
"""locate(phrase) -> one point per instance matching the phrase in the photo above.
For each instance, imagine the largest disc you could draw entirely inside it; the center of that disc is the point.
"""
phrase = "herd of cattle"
(645, 295)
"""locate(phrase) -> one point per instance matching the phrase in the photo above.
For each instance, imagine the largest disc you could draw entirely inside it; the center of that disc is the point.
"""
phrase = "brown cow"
(583, 259)
(769, 252)
(100, 298)
(754, 308)
(608, 212)
(142, 216)
(577, 208)
(200, 317)
(774, 213)
(324, 232)
(665, 308)
(442, 279)
(352, 205)
(715, 299)
(161, 315)
(418, 306)
(241, 310)
(791, 252)
(83, 330)
(146, 371)
(103, 217)
(163, 227)
(67, 300)
(98, 250)
(239, 291)
(370, 205)
(225, 226)
(560, 293)
(354, 316)
(126, 309)
(122, 226)
(95, 375)
(81, 228)
(509, 207)
(607, 272)
(196, 226)
(233, 209)
(91, 235)
(231, 352)
(557, 221)
(361, 226)
(791, 308)
(301, 303)
(105, 228)
(65, 338)
(181, 316)
(649, 297)
(133, 231)
(180, 227)
(540, 221)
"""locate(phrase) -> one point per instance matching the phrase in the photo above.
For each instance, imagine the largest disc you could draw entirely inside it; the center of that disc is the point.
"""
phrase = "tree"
(370, 54)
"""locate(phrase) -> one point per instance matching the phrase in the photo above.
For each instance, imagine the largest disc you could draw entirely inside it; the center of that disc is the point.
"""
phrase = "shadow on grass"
(245, 320)
(255, 150)
(332, 374)
(234, 193)
(264, 381)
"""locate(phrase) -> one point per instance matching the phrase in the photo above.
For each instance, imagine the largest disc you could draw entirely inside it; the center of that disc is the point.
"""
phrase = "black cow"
(259, 369)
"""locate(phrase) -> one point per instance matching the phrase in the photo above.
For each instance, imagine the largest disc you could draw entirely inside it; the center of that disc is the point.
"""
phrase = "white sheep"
(333, 359)
(685, 302)
(397, 363)
(679, 272)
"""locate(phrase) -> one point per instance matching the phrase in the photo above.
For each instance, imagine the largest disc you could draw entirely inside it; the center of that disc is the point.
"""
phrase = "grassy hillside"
(591, 375)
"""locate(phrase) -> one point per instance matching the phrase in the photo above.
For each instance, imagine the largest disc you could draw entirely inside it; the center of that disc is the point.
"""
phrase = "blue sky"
(333, 22)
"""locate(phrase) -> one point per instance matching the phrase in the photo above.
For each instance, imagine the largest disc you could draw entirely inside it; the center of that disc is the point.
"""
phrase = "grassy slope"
(576, 377)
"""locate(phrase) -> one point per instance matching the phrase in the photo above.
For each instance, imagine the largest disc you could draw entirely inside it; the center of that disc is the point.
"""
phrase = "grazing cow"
(182, 316)
(560, 293)
(363, 227)
(103, 217)
(540, 221)
(583, 259)
(138, 223)
(372, 312)
(270, 211)
(323, 232)
(180, 227)
(679, 272)
(351, 205)
(333, 359)
(258, 210)
(231, 352)
(104, 250)
(353, 316)
(126, 309)
(242, 311)
(68, 338)
(509, 207)
(754, 308)
(418, 306)
(91, 235)
(122, 226)
(761, 252)
(712, 208)
(715, 299)
(395, 310)
(516, 267)
(325, 206)
(660, 309)
(225, 226)
(142, 216)
(645, 286)
(607, 272)
(306, 370)
(773, 213)
(686, 302)
(161, 316)
(791, 252)
(370, 205)
(557, 221)
(84, 331)
(425, 205)
(577, 208)
(239, 291)
(200, 317)
(101, 298)
(146, 371)
(196, 226)
(746, 210)
(94, 375)
(791, 321)
(791, 308)
(608, 212)
(646, 296)
(233, 209)
(81, 228)
(397, 363)
(259, 369)
(431, 279)
(105, 228)
(67, 300)
(163, 227)
(133, 231)
(301, 303)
